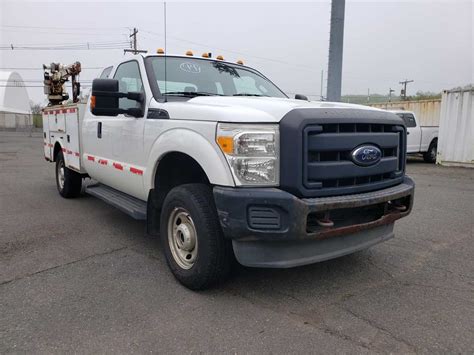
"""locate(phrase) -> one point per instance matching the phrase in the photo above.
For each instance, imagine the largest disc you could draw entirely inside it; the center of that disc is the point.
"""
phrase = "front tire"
(430, 155)
(68, 182)
(195, 249)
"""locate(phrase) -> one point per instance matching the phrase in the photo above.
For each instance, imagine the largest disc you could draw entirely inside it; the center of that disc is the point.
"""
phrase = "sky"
(385, 42)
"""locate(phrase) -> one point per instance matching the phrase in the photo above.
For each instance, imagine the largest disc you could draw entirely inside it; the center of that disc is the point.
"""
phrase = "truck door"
(125, 159)
(113, 146)
(413, 133)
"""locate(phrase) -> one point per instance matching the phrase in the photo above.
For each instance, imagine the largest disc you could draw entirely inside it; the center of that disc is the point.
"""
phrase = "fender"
(61, 148)
(197, 147)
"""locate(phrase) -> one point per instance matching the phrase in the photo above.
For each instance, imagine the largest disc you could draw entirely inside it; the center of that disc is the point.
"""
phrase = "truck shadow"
(333, 277)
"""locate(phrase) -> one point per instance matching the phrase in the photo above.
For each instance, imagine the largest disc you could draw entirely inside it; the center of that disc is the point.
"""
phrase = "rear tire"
(68, 182)
(430, 155)
(195, 249)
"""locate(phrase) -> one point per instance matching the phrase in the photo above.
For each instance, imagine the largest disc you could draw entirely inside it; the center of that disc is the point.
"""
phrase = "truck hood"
(246, 109)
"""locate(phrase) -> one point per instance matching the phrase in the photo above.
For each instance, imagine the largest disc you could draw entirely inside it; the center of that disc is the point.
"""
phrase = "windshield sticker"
(190, 67)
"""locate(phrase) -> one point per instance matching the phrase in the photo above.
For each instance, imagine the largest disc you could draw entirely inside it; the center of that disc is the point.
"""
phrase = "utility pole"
(336, 40)
(390, 94)
(133, 44)
(368, 95)
(403, 94)
(322, 83)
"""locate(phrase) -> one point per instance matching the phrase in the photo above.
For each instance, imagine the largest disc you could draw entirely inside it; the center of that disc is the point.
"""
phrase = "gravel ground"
(80, 276)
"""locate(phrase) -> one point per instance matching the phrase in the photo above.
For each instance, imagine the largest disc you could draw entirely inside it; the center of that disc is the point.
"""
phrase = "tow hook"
(397, 206)
(325, 221)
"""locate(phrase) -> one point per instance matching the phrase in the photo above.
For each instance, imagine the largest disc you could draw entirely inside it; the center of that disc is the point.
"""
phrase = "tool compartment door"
(71, 120)
(61, 120)
(47, 146)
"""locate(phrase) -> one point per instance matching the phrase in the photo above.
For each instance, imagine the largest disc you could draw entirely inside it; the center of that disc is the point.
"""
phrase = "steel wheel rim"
(61, 175)
(182, 238)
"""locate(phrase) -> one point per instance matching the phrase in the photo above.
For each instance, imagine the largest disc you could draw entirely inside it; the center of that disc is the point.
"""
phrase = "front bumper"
(272, 228)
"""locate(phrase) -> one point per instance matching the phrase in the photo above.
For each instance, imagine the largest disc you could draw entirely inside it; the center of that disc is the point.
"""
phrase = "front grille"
(327, 165)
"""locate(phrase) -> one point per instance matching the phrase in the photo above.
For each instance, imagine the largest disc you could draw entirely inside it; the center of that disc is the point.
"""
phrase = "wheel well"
(173, 170)
(57, 149)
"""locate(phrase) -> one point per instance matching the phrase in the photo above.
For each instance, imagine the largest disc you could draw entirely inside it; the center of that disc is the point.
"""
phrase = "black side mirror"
(105, 99)
(301, 97)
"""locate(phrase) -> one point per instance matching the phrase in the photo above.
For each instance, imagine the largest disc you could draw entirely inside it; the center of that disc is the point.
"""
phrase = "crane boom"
(55, 76)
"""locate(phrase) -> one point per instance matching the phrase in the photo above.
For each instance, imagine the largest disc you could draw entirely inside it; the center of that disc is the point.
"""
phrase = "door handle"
(99, 130)
(408, 133)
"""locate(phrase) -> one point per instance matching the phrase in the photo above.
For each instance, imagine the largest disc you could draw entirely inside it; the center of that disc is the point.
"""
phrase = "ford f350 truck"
(222, 164)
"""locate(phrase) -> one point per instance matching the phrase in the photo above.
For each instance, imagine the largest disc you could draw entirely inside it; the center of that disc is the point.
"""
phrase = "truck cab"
(222, 164)
(420, 139)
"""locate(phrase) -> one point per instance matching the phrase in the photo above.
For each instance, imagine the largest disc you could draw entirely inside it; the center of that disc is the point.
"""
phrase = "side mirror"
(105, 97)
(301, 97)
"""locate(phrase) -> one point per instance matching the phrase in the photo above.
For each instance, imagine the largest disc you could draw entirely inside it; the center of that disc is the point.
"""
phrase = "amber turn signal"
(92, 104)
(226, 144)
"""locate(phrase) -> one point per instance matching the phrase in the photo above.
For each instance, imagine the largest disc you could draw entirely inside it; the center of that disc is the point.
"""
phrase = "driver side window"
(129, 78)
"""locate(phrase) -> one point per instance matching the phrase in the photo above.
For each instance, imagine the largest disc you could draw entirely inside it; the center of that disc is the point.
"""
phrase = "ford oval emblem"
(366, 155)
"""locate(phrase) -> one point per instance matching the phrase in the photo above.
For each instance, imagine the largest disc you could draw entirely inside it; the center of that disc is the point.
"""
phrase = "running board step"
(130, 205)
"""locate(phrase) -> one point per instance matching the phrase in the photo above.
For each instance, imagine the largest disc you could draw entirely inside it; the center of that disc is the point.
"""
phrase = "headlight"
(252, 152)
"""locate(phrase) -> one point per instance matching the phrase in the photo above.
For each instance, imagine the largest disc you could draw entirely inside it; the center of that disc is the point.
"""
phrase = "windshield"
(196, 77)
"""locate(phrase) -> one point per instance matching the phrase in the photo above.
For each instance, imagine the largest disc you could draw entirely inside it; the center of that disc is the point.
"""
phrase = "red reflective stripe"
(90, 157)
(69, 151)
(118, 166)
(50, 145)
(136, 171)
(64, 149)
(102, 161)
(76, 154)
(63, 111)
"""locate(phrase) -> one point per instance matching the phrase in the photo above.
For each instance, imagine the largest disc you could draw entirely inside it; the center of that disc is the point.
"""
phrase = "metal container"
(456, 130)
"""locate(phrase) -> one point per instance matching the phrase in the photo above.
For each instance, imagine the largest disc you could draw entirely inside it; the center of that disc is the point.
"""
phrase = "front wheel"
(195, 249)
(68, 182)
(430, 155)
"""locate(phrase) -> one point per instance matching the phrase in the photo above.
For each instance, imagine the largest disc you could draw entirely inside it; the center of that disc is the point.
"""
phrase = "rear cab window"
(105, 73)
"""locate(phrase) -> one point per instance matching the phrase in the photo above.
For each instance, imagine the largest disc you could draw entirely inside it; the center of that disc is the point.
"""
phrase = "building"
(15, 112)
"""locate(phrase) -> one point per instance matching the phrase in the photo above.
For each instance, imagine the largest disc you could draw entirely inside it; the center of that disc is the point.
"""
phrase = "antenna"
(166, 49)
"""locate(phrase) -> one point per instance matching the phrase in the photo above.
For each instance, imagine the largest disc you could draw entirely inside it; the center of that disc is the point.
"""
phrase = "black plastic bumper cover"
(271, 224)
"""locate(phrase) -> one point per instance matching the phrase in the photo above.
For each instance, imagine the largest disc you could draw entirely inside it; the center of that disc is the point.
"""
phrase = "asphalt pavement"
(80, 276)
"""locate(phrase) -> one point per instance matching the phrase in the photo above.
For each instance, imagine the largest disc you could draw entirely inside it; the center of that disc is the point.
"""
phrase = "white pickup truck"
(222, 164)
(420, 139)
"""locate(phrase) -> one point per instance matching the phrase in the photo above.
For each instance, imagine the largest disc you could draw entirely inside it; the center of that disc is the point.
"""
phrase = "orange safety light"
(226, 144)
(189, 53)
(205, 55)
(241, 62)
(92, 104)
(219, 57)
(160, 51)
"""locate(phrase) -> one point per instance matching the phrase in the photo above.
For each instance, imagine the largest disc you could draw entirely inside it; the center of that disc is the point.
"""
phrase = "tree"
(35, 108)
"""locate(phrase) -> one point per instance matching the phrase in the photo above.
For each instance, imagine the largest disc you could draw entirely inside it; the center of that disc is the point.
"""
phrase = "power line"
(35, 86)
(69, 46)
(64, 28)
(32, 68)
(203, 45)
